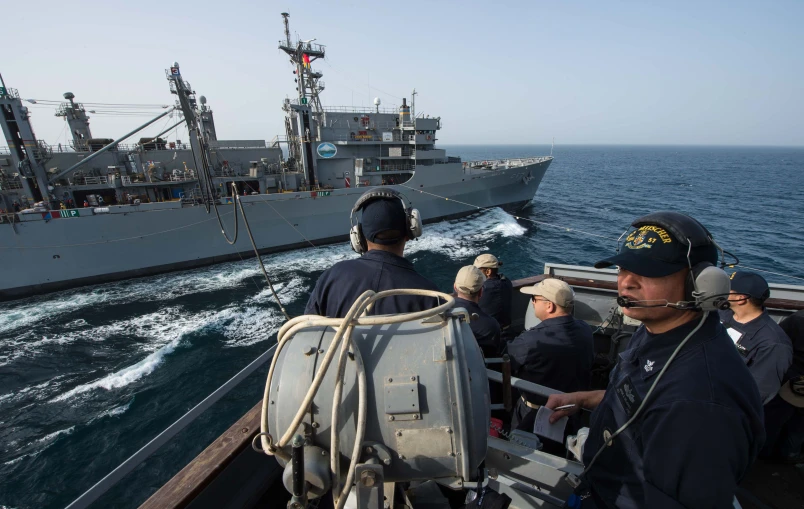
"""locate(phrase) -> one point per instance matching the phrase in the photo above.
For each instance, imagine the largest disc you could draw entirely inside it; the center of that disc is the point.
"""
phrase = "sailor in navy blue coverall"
(468, 288)
(557, 353)
(701, 428)
(382, 267)
(497, 290)
(763, 345)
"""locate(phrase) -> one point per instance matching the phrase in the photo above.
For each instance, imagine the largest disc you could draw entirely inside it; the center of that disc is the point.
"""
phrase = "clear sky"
(613, 72)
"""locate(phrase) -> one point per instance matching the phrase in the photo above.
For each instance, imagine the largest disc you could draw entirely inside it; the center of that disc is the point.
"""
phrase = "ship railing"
(10, 184)
(180, 177)
(43, 151)
(310, 47)
(91, 181)
(369, 137)
(224, 172)
(281, 138)
(126, 180)
(507, 163)
(410, 152)
(153, 146)
(390, 167)
(355, 109)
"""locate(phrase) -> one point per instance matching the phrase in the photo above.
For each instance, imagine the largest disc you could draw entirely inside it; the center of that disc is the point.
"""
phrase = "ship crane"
(198, 141)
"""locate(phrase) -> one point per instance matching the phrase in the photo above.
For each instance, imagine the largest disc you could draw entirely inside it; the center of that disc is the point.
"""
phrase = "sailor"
(497, 290)
(557, 353)
(690, 442)
(468, 288)
(385, 226)
(764, 346)
(784, 415)
(17, 207)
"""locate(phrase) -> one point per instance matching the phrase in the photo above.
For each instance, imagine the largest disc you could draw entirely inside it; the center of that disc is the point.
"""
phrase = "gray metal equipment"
(427, 414)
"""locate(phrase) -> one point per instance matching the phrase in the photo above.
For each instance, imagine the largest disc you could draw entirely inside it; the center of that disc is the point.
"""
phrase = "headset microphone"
(683, 305)
(623, 302)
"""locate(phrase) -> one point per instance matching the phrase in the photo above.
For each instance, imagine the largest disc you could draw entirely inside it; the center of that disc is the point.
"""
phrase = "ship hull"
(43, 256)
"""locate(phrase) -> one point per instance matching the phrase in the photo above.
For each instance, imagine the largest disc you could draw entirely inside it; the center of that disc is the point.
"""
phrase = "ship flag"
(306, 60)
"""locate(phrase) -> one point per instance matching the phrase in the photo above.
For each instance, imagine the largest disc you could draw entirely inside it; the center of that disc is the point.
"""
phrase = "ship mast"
(302, 54)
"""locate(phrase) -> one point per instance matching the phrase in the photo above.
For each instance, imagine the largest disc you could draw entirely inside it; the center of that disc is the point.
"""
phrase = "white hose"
(343, 337)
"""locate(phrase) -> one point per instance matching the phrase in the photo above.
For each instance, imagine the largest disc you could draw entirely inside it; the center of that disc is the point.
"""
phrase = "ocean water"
(88, 376)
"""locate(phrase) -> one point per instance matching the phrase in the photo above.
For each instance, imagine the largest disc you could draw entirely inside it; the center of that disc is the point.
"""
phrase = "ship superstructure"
(128, 209)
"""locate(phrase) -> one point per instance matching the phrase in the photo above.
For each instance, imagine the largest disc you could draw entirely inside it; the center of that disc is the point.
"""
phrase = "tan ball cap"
(556, 291)
(469, 280)
(487, 261)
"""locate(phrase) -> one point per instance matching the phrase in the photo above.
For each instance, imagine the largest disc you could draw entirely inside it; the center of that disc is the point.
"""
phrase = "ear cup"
(415, 224)
(357, 240)
(708, 286)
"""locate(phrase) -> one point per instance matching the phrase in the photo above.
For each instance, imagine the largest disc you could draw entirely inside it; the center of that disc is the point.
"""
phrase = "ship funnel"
(404, 112)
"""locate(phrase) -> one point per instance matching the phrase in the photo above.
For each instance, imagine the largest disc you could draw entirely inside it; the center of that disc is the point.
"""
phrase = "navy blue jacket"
(557, 353)
(485, 328)
(793, 325)
(340, 286)
(766, 350)
(696, 437)
(496, 299)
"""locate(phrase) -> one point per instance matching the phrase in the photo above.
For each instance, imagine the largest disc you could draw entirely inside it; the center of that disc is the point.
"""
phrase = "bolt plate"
(402, 397)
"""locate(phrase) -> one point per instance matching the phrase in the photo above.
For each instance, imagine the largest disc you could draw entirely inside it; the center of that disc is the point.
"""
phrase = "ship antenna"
(285, 17)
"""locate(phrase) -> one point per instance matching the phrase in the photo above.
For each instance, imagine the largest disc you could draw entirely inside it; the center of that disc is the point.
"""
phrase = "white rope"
(343, 338)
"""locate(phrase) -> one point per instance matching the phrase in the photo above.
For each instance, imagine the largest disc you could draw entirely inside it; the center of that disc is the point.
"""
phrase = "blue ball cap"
(751, 284)
(381, 215)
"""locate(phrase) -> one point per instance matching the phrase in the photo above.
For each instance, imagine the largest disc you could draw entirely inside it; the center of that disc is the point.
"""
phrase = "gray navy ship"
(101, 210)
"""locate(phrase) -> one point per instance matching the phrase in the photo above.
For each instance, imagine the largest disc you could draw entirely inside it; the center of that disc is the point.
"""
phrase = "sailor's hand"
(556, 401)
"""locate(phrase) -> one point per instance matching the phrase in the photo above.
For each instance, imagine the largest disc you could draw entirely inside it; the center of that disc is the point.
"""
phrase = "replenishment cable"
(256, 253)
(515, 217)
(767, 271)
(733, 265)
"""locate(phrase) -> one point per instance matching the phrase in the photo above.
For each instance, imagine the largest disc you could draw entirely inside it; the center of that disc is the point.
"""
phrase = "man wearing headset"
(764, 346)
(380, 237)
(700, 427)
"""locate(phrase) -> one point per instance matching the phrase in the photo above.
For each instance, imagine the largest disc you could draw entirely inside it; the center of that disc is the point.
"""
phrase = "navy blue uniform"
(558, 353)
(485, 328)
(784, 423)
(766, 350)
(340, 286)
(496, 299)
(696, 437)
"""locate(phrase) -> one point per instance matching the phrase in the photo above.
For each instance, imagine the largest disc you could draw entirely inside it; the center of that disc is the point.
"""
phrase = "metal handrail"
(355, 109)
(113, 477)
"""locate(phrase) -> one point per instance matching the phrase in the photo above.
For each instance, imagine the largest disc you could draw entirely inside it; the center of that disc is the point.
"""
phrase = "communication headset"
(707, 288)
(413, 219)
